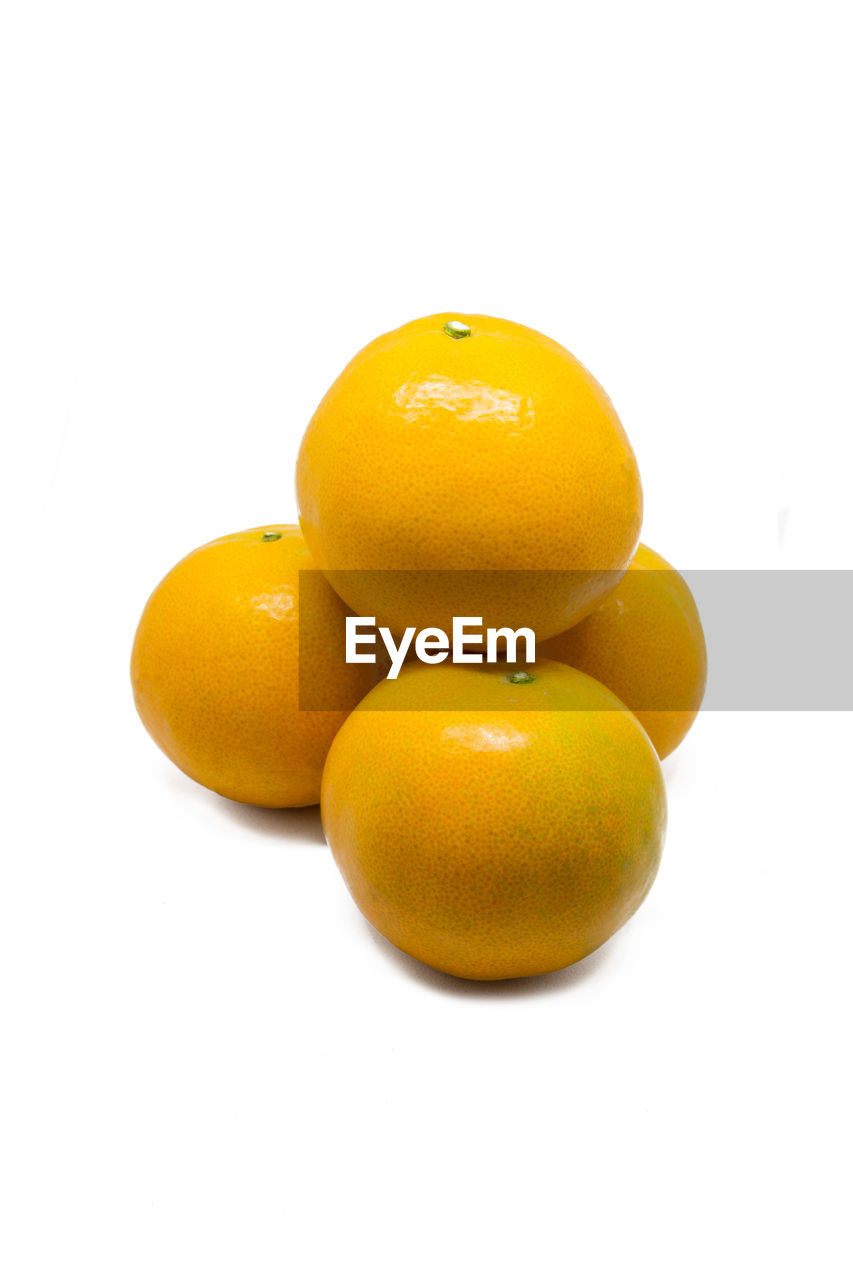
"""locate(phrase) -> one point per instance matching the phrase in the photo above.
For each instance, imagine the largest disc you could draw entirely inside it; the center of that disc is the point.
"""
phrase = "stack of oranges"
(494, 819)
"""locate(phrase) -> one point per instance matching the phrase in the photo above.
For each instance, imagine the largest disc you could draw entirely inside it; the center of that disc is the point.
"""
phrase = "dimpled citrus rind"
(507, 837)
(496, 451)
(645, 642)
(215, 668)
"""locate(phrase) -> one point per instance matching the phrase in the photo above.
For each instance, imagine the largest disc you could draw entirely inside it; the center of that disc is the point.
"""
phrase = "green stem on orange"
(457, 329)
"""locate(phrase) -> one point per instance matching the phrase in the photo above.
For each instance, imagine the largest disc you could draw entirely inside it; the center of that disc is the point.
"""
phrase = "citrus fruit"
(216, 661)
(645, 642)
(462, 442)
(494, 822)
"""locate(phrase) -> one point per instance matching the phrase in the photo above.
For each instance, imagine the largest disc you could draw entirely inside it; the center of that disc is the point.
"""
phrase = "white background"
(211, 1066)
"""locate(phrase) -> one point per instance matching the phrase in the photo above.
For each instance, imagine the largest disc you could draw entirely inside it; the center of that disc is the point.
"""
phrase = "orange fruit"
(645, 642)
(494, 822)
(462, 442)
(216, 663)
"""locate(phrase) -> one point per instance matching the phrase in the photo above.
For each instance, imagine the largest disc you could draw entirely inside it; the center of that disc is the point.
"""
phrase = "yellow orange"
(494, 821)
(463, 442)
(215, 667)
(645, 642)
